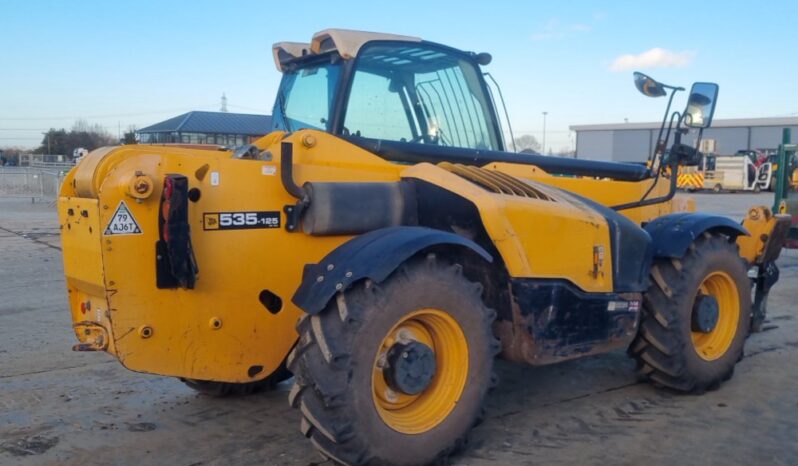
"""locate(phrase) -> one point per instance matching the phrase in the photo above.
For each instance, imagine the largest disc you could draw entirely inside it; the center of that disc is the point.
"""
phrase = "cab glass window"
(305, 97)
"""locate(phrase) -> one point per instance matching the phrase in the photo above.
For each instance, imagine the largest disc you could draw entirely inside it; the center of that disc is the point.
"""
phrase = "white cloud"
(653, 58)
(554, 29)
(537, 37)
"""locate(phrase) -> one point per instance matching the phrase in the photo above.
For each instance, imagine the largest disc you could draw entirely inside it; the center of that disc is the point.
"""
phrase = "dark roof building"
(228, 129)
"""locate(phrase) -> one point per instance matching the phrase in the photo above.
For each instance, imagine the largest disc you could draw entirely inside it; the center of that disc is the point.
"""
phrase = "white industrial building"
(633, 142)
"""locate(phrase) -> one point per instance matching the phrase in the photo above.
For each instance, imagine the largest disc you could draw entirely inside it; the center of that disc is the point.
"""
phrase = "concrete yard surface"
(64, 407)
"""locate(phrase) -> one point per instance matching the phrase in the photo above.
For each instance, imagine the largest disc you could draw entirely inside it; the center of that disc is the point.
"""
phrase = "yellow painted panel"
(235, 265)
(604, 191)
(80, 240)
(536, 238)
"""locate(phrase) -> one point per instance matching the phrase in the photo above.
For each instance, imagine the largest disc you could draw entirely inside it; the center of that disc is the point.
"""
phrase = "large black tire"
(664, 348)
(228, 389)
(334, 364)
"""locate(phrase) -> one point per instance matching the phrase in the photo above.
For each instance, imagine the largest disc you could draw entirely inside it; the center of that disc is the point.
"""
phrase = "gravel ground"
(62, 407)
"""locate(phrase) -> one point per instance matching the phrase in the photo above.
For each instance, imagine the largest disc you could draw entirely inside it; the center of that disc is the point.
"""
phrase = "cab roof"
(345, 41)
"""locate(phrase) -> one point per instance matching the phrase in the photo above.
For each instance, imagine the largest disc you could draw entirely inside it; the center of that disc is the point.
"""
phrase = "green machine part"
(782, 202)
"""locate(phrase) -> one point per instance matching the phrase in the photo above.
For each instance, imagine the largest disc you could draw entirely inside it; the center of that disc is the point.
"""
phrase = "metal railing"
(36, 183)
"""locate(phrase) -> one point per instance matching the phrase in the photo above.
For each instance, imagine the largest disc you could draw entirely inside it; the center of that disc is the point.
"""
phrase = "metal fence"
(37, 183)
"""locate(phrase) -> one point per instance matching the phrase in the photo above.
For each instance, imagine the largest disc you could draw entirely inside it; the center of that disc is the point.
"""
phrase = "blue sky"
(122, 63)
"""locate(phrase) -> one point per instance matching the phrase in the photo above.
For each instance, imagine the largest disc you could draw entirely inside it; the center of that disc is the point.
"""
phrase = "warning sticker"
(122, 223)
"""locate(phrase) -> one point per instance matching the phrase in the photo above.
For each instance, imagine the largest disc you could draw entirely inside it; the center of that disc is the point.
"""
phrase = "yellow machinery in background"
(381, 245)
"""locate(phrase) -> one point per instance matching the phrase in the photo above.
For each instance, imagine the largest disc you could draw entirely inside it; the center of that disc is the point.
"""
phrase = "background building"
(634, 142)
(227, 129)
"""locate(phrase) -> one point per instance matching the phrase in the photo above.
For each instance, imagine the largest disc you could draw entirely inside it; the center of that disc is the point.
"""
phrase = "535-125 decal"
(240, 220)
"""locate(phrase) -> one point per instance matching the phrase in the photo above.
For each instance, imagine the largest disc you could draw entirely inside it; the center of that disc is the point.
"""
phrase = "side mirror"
(701, 105)
(648, 86)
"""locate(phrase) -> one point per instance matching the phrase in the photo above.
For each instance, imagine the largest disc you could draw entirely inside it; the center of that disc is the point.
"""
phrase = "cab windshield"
(416, 93)
(405, 92)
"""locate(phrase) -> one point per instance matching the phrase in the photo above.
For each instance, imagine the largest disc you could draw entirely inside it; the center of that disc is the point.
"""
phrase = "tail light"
(166, 206)
(176, 265)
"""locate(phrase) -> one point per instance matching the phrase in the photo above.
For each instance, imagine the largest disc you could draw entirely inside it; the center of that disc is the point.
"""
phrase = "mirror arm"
(674, 88)
(659, 144)
(698, 139)
(506, 115)
(657, 200)
(674, 168)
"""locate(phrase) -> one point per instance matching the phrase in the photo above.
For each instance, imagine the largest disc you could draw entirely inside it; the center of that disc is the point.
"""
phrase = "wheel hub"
(706, 312)
(410, 367)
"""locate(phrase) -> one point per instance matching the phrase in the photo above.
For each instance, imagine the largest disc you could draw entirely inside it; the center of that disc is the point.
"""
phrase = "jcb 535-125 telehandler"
(383, 246)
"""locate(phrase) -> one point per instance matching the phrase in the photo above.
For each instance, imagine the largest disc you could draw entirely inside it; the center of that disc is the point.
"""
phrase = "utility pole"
(544, 132)
(224, 103)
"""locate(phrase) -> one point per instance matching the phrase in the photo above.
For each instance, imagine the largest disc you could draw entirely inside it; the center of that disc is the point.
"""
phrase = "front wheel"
(696, 316)
(395, 373)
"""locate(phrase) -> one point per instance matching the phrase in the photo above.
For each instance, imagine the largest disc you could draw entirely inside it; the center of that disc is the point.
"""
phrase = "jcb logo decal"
(240, 220)
(210, 221)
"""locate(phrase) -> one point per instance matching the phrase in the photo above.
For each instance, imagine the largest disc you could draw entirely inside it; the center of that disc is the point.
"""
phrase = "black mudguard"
(672, 234)
(374, 255)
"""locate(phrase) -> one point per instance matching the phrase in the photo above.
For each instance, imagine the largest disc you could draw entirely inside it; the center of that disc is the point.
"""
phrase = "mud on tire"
(334, 363)
(664, 348)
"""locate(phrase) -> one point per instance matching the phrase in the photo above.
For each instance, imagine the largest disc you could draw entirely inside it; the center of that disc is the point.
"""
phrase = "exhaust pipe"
(287, 171)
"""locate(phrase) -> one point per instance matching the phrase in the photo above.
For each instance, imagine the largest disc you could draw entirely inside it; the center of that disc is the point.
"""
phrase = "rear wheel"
(717, 188)
(696, 316)
(395, 373)
(224, 389)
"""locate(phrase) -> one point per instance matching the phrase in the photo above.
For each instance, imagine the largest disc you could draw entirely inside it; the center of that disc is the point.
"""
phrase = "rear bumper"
(83, 268)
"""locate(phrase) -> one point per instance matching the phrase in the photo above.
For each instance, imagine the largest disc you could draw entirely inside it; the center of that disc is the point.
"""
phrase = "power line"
(254, 109)
(116, 115)
(25, 129)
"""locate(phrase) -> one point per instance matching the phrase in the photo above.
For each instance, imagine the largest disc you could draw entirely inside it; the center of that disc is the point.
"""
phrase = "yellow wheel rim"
(713, 345)
(416, 414)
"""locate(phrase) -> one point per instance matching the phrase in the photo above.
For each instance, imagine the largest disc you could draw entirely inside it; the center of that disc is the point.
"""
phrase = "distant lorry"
(738, 173)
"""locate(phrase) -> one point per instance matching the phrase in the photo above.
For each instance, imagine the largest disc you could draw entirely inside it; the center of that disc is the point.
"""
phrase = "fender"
(672, 234)
(374, 255)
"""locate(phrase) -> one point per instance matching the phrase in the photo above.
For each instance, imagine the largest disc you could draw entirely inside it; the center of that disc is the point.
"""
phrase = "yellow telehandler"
(383, 246)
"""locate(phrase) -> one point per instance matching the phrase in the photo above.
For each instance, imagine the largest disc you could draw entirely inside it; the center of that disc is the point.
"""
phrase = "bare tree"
(566, 151)
(83, 134)
(9, 155)
(527, 143)
(130, 135)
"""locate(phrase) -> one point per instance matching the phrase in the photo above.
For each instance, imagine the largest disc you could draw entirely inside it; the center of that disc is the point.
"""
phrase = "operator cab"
(406, 100)
(389, 88)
